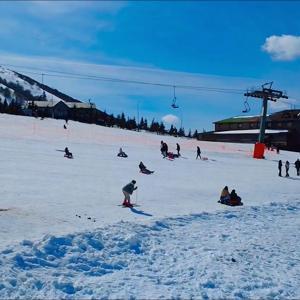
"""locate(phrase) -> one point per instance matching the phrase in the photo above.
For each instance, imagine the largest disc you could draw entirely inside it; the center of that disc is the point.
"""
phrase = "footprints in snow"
(86, 217)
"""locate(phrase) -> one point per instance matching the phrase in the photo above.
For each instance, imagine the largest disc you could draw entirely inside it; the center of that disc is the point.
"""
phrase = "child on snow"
(127, 191)
(144, 169)
(231, 199)
(122, 153)
(68, 154)
(225, 196)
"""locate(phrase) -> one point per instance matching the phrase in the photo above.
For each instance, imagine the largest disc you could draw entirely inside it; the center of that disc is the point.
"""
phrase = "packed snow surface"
(64, 235)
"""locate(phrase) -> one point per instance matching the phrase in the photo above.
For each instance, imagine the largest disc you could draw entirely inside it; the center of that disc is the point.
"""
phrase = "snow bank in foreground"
(248, 252)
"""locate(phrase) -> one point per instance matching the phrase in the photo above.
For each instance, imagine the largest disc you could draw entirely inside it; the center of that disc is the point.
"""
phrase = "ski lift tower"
(266, 94)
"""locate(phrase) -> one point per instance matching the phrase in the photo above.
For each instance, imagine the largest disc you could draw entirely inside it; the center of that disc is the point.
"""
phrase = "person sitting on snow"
(122, 153)
(225, 196)
(68, 154)
(144, 169)
(235, 199)
(127, 191)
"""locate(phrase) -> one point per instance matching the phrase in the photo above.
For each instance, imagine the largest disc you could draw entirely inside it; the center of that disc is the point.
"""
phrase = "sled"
(68, 156)
(240, 204)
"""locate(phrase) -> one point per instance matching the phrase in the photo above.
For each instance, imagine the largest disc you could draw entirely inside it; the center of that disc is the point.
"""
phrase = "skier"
(122, 153)
(65, 127)
(279, 167)
(297, 166)
(127, 191)
(68, 154)
(225, 196)
(178, 149)
(144, 170)
(287, 166)
(198, 152)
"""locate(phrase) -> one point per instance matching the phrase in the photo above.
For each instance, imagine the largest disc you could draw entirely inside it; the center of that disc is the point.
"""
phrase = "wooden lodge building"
(282, 129)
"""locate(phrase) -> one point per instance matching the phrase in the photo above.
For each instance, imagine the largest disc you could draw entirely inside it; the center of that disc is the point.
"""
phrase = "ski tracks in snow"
(253, 252)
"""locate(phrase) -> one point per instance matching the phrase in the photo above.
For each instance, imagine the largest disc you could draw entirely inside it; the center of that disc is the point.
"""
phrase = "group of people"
(231, 199)
(287, 167)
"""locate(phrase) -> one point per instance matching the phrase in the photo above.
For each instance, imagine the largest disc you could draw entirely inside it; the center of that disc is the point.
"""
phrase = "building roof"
(69, 104)
(239, 119)
(249, 131)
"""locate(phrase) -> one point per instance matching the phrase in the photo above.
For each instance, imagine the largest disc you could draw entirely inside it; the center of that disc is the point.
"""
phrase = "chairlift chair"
(246, 105)
(174, 105)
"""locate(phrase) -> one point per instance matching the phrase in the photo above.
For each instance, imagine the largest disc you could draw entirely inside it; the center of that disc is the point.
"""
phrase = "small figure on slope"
(279, 167)
(68, 154)
(225, 196)
(198, 152)
(65, 127)
(127, 191)
(144, 170)
(163, 148)
(235, 200)
(287, 167)
(178, 149)
(297, 166)
(231, 199)
(122, 153)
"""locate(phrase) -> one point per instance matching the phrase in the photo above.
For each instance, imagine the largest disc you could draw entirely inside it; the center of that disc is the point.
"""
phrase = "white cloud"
(284, 47)
(170, 119)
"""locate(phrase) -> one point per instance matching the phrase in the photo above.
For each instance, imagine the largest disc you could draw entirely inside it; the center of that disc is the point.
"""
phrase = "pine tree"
(195, 135)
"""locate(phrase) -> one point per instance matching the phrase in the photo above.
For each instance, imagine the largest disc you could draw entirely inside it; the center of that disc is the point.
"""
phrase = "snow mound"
(249, 252)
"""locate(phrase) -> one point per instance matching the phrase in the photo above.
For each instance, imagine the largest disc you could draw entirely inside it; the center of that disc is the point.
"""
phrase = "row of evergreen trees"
(158, 127)
(13, 108)
(102, 118)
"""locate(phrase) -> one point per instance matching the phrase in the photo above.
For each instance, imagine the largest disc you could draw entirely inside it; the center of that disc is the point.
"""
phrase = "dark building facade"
(282, 129)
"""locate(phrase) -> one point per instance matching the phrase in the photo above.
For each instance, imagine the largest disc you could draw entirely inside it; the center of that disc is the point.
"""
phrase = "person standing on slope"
(178, 149)
(198, 152)
(127, 191)
(297, 166)
(279, 167)
(287, 167)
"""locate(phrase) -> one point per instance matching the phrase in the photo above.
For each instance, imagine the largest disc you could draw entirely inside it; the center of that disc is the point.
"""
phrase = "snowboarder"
(178, 149)
(225, 196)
(68, 154)
(235, 200)
(297, 166)
(144, 170)
(198, 152)
(122, 153)
(127, 191)
(287, 167)
(279, 167)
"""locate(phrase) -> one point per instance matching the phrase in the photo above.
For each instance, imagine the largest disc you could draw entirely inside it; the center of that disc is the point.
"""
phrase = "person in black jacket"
(178, 149)
(198, 152)
(127, 191)
(287, 167)
(279, 167)
(297, 166)
(144, 169)
(68, 154)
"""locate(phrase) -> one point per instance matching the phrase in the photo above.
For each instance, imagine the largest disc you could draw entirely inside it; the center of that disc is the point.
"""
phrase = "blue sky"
(216, 44)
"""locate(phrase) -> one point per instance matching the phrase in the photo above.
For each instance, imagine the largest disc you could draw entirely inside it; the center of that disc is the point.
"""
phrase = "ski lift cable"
(62, 74)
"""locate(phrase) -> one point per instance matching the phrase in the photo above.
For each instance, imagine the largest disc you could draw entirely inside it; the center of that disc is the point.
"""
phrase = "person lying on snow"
(143, 169)
(68, 154)
(172, 155)
(127, 191)
(231, 199)
(122, 153)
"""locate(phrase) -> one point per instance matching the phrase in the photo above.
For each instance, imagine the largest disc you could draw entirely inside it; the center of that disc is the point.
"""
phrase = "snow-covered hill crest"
(18, 87)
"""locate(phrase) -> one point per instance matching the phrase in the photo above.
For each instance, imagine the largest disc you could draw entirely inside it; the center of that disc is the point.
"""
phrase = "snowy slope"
(178, 243)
